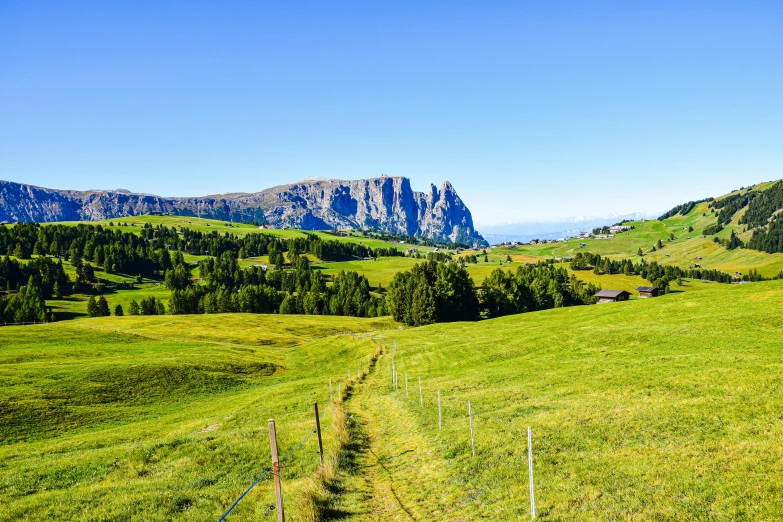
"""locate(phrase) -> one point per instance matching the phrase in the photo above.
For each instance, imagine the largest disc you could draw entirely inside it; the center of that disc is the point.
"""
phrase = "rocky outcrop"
(383, 204)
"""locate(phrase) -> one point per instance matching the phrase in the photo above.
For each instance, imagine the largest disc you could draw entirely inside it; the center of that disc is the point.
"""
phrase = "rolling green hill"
(682, 251)
(162, 418)
(660, 409)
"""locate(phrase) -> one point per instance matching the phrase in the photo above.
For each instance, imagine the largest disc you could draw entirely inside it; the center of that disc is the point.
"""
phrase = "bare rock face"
(382, 204)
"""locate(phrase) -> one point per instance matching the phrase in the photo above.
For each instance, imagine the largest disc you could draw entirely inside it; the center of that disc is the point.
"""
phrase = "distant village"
(597, 233)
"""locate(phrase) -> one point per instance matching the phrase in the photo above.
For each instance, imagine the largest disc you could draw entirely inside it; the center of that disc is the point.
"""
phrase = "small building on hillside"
(612, 296)
(647, 291)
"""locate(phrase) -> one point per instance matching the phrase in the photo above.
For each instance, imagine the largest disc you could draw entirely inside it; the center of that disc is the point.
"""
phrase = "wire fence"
(328, 402)
(412, 391)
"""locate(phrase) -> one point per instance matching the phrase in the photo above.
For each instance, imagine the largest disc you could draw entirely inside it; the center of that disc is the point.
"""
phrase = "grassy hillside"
(661, 409)
(136, 223)
(682, 251)
(162, 418)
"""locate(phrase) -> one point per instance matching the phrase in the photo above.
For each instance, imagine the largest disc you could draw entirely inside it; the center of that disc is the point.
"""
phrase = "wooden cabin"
(647, 291)
(612, 296)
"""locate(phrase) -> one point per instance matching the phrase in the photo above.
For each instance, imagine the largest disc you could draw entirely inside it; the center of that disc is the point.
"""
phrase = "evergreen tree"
(133, 308)
(103, 307)
(75, 256)
(92, 307)
(118, 311)
(424, 309)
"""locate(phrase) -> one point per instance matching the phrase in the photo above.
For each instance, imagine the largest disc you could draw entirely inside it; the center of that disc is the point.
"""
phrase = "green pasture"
(164, 418)
(658, 409)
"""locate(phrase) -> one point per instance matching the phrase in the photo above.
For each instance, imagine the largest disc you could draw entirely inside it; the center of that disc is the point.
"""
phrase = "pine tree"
(92, 307)
(118, 311)
(103, 307)
(133, 308)
(424, 308)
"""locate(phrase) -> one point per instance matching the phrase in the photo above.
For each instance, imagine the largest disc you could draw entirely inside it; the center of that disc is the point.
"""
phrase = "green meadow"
(163, 418)
(658, 409)
(136, 223)
(684, 250)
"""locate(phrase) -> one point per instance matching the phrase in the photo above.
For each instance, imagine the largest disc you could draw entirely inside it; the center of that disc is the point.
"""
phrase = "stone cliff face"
(380, 204)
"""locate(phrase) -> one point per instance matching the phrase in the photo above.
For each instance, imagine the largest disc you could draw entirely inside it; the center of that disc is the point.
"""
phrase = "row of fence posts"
(395, 379)
(273, 442)
(276, 461)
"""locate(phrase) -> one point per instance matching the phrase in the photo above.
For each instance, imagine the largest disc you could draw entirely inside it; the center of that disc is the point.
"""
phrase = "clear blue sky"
(533, 110)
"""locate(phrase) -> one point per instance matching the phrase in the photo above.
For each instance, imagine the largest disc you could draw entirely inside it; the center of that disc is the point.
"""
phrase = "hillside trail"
(390, 472)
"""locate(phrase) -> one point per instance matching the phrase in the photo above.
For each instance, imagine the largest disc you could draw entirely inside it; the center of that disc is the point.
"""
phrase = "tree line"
(25, 306)
(432, 292)
(659, 275)
(682, 209)
(226, 288)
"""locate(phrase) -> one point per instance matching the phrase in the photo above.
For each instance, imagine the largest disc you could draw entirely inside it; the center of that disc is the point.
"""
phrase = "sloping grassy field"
(659, 409)
(163, 418)
(683, 251)
(136, 223)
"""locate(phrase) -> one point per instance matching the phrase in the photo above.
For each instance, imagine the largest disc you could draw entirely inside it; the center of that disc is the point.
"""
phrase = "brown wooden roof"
(611, 293)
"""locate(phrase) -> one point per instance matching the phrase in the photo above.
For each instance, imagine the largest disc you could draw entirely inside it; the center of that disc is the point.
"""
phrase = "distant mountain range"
(525, 231)
(384, 204)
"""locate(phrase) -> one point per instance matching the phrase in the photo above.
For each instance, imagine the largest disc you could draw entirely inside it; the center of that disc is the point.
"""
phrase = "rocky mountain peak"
(385, 203)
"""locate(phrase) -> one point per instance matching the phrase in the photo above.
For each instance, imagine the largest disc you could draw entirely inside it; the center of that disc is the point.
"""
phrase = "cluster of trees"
(25, 306)
(657, 274)
(443, 292)
(228, 288)
(98, 307)
(257, 244)
(732, 242)
(768, 239)
(682, 209)
(469, 259)
(531, 288)
(767, 223)
(149, 306)
(763, 206)
(48, 274)
(712, 229)
(729, 205)
(115, 250)
(432, 292)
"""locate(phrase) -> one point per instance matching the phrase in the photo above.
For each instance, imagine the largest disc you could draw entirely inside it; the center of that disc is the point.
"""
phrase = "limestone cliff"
(380, 204)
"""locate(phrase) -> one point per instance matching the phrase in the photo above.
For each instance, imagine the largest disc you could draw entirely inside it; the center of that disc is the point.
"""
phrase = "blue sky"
(533, 110)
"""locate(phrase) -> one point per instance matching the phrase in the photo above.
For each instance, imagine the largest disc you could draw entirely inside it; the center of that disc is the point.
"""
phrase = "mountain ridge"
(384, 204)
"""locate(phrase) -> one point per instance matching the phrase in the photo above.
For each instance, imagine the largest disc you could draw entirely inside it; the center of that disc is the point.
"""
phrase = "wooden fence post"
(472, 437)
(530, 471)
(318, 429)
(276, 471)
(421, 397)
